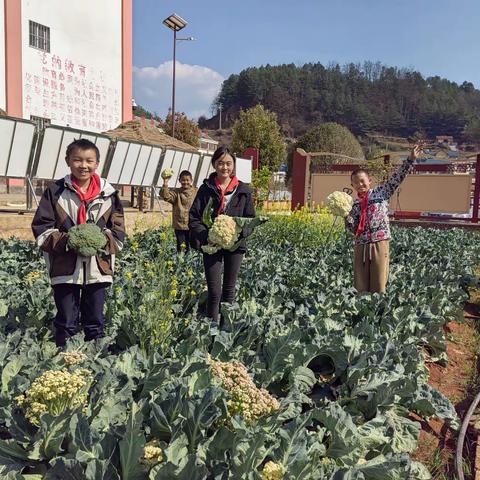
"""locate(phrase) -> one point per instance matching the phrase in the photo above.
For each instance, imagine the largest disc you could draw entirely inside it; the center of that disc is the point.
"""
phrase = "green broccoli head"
(86, 239)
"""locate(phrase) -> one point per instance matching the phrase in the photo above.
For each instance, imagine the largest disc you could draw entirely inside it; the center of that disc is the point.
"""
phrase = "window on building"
(39, 36)
(41, 122)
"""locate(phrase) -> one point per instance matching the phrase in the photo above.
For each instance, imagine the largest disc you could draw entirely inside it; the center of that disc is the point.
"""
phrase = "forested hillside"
(365, 98)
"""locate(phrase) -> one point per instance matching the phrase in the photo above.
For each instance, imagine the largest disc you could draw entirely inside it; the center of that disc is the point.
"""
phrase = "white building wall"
(79, 83)
(3, 99)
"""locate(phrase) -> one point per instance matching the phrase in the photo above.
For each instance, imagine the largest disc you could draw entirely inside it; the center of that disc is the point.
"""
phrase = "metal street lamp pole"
(175, 23)
(173, 86)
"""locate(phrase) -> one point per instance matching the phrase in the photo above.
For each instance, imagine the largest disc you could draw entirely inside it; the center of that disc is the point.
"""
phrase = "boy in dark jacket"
(79, 282)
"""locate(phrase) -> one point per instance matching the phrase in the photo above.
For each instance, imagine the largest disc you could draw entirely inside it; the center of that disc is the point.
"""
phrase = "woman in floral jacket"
(368, 220)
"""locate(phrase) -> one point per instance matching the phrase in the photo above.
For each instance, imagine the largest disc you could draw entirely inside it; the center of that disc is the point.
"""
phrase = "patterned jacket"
(377, 226)
(57, 213)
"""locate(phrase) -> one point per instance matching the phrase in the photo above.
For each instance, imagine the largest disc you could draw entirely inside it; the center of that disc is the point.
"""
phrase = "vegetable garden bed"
(349, 372)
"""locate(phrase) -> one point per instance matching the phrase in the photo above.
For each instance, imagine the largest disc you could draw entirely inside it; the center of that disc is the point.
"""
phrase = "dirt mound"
(146, 132)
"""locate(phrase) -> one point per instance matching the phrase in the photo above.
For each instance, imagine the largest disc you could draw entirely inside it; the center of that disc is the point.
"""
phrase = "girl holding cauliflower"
(80, 226)
(221, 197)
(368, 220)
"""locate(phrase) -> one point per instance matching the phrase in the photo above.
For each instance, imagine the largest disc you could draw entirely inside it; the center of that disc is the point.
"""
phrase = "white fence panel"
(16, 143)
(129, 163)
(50, 163)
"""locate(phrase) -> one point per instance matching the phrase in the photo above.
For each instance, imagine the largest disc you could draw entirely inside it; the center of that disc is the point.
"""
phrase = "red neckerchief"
(91, 193)
(231, 187)
(363, 197)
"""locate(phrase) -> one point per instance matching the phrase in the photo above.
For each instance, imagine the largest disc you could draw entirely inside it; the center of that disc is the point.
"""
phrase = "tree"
(332, 138)
(471, 132)
(143, 112)
(261, 183)
(258, 127)
(365, 98)
(186, 130)
(202, 121)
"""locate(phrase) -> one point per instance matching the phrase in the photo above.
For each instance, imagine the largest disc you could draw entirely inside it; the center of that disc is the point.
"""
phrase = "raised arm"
(168, 194)
(388, 188)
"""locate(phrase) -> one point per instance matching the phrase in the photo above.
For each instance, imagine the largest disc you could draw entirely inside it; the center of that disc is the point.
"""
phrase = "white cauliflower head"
(273, 471)
(224, 232)
(339, 203)
(167, 173)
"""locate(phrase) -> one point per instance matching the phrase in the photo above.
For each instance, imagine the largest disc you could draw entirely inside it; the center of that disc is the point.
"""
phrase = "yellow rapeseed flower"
(30, 277)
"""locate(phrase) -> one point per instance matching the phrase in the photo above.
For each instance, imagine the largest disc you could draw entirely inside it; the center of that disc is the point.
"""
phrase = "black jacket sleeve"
(44, 226)
(198, 231)
(115, 232)
(249, 212)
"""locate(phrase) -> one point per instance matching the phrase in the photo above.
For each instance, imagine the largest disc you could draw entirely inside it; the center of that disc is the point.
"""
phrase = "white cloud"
(196, 88)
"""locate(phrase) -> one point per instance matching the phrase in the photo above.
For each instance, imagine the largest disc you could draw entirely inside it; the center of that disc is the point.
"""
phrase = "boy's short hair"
(185, 173)
(358, 171)
(82, 144)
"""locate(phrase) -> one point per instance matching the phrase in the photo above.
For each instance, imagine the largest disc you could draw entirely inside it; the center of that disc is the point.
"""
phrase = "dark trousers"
(79, 305)
(183, 236)
(219, 291)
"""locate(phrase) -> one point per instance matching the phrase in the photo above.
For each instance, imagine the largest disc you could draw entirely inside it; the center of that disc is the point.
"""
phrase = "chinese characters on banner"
(71, 94)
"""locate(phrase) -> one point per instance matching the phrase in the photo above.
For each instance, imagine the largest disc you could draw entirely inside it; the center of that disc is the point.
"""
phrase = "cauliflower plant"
(73, 358)
(86, 239)
(55, 391)
(167, 173)
(152, 454)
(273, 471)
(247, 399)
(339, 203)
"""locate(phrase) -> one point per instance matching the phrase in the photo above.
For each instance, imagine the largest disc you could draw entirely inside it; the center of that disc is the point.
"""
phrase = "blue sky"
(435, 37)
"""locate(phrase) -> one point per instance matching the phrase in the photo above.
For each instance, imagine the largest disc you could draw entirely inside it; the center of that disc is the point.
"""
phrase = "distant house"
(441, 155)
(444, 140)
(207, 144)
(432, 161)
